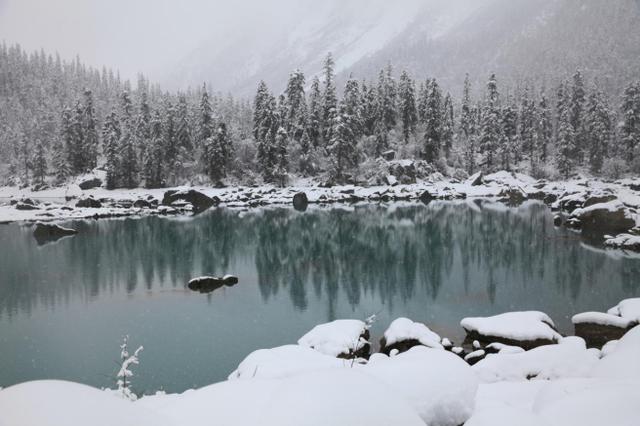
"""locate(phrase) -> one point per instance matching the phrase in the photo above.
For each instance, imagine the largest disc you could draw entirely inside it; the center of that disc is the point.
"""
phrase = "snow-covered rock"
(597, 328)
(569, 358)
(526, 329)
(628, 309)
(340, 338)
(59, 403)
(404, 333)
(624, 242)
(612, 216)
(623, 360)
(439, 385)
(284, 361)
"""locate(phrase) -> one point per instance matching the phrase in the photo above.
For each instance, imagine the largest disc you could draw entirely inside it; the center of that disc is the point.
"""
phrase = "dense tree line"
(62, 119)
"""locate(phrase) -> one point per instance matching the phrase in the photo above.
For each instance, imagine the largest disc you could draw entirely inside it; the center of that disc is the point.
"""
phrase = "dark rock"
(26, 206)
(596, 335)
(426, 197)
(142, 204)
(634, 186)
(300, 201)
(475, 356)
(389, 155)
(198, 200)
(89, 202)
(574, 223)
(476, 179)
(363, 352)
(90, 183)
(210, 284)
(598, 199)
(401, 346)
(512, 196)
(557, 220)
(604, 219)
(46, 232)
(549, 199)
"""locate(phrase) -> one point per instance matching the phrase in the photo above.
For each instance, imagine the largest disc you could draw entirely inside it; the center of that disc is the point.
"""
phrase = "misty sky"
(130, 35)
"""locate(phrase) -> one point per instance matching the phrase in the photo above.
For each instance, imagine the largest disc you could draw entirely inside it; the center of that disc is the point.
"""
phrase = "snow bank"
(569, 358)
(403, 329)
(284, 361)
(339, 337)
(439, 385)
(59, 403)
(513, 326)
(330, 397)
(622, 361)
(628, 309)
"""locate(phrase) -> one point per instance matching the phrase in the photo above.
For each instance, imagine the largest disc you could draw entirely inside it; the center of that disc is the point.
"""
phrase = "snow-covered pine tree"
(353, 104)
(465, 110)
(184, 138)
(128, 155)
(59, 161)
(527, 129)
(314, 121)
(124, 374)
(295, 118)
(490, 131)
(110, 139)
(407, 105)
(143, 123)
(39, 163)
(387, 98)
(565, 136)
(171, 147)
(598, 129)
(630, 131)
(470, 148)
(76, 152)
(267, 132)
(342, 148)
(329, 98)
(448, 125)
(281, 157)
(259, 103)
(508, 145)
(544, 128)
(205, 123)
(576, 116)
(90, 132)
(432, 139)
(369, 109)
(154, 170)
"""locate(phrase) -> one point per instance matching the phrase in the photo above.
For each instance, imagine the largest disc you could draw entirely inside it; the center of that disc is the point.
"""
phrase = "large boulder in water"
(210, 284)
(612, 216)
(48, 232)
(198, 200)
(300, 201)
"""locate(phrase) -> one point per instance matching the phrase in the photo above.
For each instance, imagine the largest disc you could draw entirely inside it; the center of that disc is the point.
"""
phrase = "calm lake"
(65, 306)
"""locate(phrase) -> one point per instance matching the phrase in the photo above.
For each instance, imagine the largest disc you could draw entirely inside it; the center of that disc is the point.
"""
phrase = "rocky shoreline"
(590, 206)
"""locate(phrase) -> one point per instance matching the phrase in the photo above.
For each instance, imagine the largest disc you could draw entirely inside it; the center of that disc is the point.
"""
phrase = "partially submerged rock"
(197, 199)
(300, 201)
(210, 284)
(624, 241)
(403, 334)
(612, 216)
(598, 328)
(49, 232)
(527, 329)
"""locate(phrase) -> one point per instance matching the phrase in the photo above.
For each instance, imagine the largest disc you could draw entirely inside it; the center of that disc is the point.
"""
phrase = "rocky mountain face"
(520, 40)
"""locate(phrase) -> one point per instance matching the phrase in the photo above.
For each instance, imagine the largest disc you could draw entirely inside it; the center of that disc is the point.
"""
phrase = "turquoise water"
(65, 306)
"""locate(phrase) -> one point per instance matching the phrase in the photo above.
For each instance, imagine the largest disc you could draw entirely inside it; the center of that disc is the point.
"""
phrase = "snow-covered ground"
(562, 384)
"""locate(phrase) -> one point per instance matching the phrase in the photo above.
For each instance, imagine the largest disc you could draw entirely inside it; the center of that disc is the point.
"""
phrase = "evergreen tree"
(314, 124)
(59, 161)
(598, 130)
(432, 139)
(329, 98)
(90, 132)
(206, 117)
(565, 135)
(465, 111)
(110, 139)
(508, 147)
(267, 132)
(170, 142)
(630, 131)
(544, 128)
(143, 123)
(295, 118)
(353, 105)
(259, 104)
(448, 125)
(576, 115)
(183, 130)
(527, 128)
(342, 148)
(387, 94)
(128, 155)
(370, 109)
(490, 132)
(154, 155)
(39, 163)
(281, 157)
(407, 107)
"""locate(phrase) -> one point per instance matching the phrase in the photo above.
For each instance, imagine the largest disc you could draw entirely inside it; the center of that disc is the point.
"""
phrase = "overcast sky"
(129, 35)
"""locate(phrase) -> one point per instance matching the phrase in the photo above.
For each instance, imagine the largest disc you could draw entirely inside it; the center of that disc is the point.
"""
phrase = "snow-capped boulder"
(624, 241)
(612, 216)
(59, 403)
(197, 199)
(339, 338)
(439, 385)
(284, 361)
(90, 183)
(597, 328)
(569, 358)
(403, 334)
(527, 329)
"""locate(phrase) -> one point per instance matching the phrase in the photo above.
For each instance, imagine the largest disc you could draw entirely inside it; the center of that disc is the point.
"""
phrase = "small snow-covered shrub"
(124, 374)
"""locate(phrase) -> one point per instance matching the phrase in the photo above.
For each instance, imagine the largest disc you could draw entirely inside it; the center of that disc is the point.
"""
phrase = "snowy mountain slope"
(517, 39)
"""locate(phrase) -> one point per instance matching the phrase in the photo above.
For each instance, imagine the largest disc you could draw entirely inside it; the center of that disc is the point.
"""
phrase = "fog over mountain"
(233, 46)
